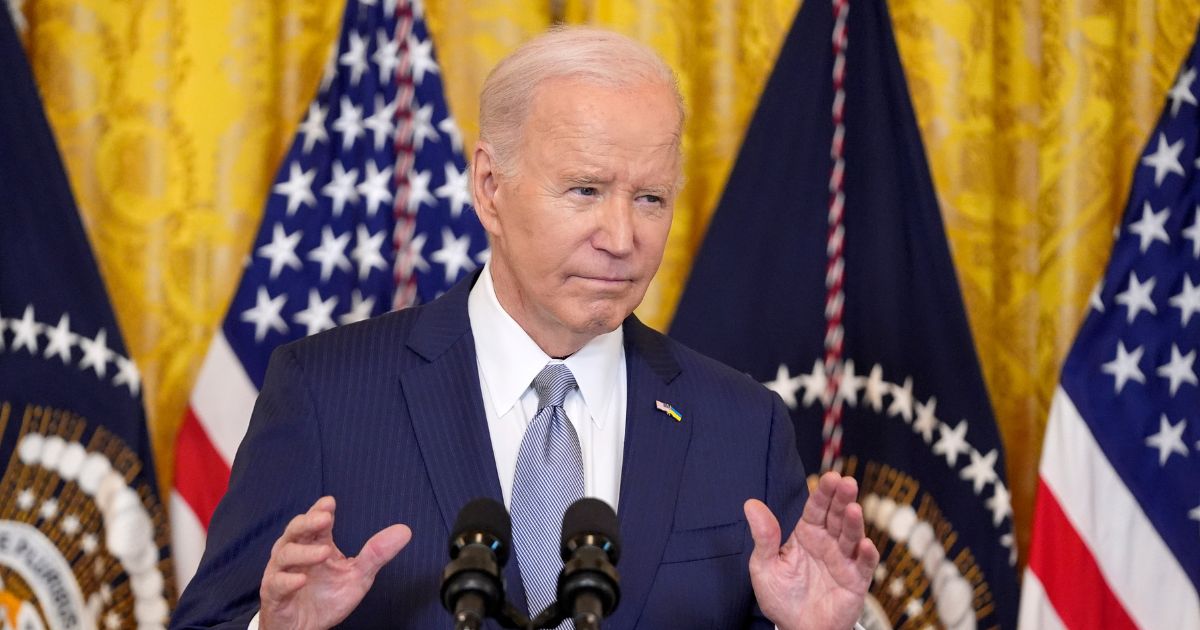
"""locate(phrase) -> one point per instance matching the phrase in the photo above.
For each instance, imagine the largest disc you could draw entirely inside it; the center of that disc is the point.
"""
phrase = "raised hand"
(818, 579)
(309, 583)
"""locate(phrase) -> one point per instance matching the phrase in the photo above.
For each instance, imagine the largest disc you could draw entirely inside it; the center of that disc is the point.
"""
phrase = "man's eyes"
(586, 191)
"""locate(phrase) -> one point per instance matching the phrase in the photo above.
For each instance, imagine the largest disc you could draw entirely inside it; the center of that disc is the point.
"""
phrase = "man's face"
(578, 229)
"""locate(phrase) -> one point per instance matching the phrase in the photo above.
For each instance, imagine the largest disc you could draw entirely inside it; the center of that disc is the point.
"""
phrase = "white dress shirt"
(508, 360)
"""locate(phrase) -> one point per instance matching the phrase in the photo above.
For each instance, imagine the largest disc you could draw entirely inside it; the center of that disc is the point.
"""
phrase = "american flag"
(370, 211)
(1116, 534)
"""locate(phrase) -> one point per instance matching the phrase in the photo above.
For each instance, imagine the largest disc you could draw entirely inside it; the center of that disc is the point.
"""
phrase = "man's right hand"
(309, 583)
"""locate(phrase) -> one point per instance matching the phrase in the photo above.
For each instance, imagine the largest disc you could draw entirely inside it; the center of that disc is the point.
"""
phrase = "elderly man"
(532, 382)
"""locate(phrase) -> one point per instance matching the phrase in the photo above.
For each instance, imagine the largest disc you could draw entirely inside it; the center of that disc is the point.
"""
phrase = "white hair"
(605, 58)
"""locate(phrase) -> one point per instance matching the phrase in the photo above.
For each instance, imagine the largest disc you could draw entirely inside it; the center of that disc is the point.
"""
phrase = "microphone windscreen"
(486, 516)
(592, 516)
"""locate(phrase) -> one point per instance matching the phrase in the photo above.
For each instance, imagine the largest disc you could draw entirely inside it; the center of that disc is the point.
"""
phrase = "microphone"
(472, 588)
(589, 587)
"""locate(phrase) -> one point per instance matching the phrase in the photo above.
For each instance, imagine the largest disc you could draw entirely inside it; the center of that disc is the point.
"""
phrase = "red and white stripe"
(1095, 559)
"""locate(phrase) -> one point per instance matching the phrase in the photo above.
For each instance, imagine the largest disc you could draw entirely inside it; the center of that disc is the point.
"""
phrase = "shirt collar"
(509, 359)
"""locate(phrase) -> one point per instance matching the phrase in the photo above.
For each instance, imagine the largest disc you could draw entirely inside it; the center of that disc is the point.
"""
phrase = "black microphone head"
(483, 516)
(591, 517)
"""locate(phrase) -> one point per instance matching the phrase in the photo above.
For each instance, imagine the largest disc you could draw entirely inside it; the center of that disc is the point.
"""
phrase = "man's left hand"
(818, 579)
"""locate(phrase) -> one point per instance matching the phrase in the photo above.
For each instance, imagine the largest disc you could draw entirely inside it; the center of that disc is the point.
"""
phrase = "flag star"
(49, 509)
(1179, 369)
(1165, 159)
(265, 315)
(331, 253)
(914, 607)
(1187, 301)
(382, 123)
(952, 442)
(423, 129)
(418, 191)
(454, 190)
(298, 188)
(25, 499)
(96, 353)
(484, 256)
(875, 388)
(60, 339)
(1007, 541)
(814, 384)
(926, 420)
(281, 251)
(1136, 298)
(1094, 299)
(1124, 367)
(1192, 232)
(330, 70)
(128, 375)
(896, 587)
(112, 621)
(70, 525)
(341, 187)
(3, 325)
(1000, 504)
(1168, 440)
(902, 400)
(374, 187)
(1182, 91)
(88, 542)
(849, 384)
(368, 251)
(1151, 227)
(450, 128)
(313, 127)
(319, 314)
(1194, 513)
(389, 8)
(421, 56)
(360, 309)
(349, 123)
(25, 331)
(785, 385)
(387, 56)
(453, 254)
(981, 471)
(355, 58)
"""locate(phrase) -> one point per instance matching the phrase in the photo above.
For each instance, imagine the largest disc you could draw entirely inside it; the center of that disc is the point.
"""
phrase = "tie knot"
(553, 384)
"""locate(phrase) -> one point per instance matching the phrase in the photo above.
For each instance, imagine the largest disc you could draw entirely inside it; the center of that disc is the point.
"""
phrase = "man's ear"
(484, 184)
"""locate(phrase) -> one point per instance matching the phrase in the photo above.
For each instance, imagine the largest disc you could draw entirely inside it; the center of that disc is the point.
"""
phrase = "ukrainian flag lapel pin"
(669, 410)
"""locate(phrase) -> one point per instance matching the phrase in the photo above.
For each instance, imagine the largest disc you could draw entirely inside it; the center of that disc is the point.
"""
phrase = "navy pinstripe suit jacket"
(387, 416)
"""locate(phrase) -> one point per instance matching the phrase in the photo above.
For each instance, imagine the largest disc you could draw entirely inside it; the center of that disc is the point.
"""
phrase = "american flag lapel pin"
(669, 410)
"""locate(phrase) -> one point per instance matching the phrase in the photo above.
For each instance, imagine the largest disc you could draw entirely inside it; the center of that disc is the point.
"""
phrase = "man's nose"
(614, 234)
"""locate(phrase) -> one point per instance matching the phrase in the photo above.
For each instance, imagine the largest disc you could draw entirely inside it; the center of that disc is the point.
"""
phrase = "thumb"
(381, 548)
(764, 529)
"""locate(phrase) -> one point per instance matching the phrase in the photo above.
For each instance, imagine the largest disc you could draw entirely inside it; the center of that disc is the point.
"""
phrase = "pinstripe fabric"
(549, 479)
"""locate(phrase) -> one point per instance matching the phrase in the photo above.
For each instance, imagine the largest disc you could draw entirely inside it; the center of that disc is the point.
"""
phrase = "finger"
(866, 559)
(280, 585)
(312, 524)
(764, 529)
(853, 530)
(819, 500)
(381, 548)
(297, 556)
(843, 495)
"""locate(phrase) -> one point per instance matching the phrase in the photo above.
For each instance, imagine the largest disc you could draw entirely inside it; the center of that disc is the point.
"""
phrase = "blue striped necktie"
(549, 479)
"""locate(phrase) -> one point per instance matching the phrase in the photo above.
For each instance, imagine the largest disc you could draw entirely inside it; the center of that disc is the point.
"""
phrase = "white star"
(331, 253)
(981, 471)
(374, 187)
(355, 58)
(3, 325)
(25, 499)
(1136, 298)
(330, 70)
(319, 314)
(1168, 440)
(484, 256)
(382, 123)
(1125, 367)
(96, 354)
(26, 331)
(411, 256)
(265, 314)
(128, 375)
(60, 339)
(876, 388)
(387, 56)
(454, 190)
(349, 123)
(914, 607)
(340, 188)
(298, 188)
(389, 8)
(1194, 513)
(313, 127)
(422, 122)
(849, 384)
(815, 383)
(1187, 301)
(1192, 232)
(112, 621)
(1151, 227)
(368, 251)
(1165, 159)
(281, 251)
(1007, 541)
(360, 309)
(785, 385)
(1094, 299)
(421, 57)
(896, 588)
(88, 542)
(49, 509)
(453, 254)
(450, 129)
(1182, 93)
(70, 525)
(1000, 504)
(926, 420)
(418, 191)
(902, 400)
(1178, 369)
(951, 442)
